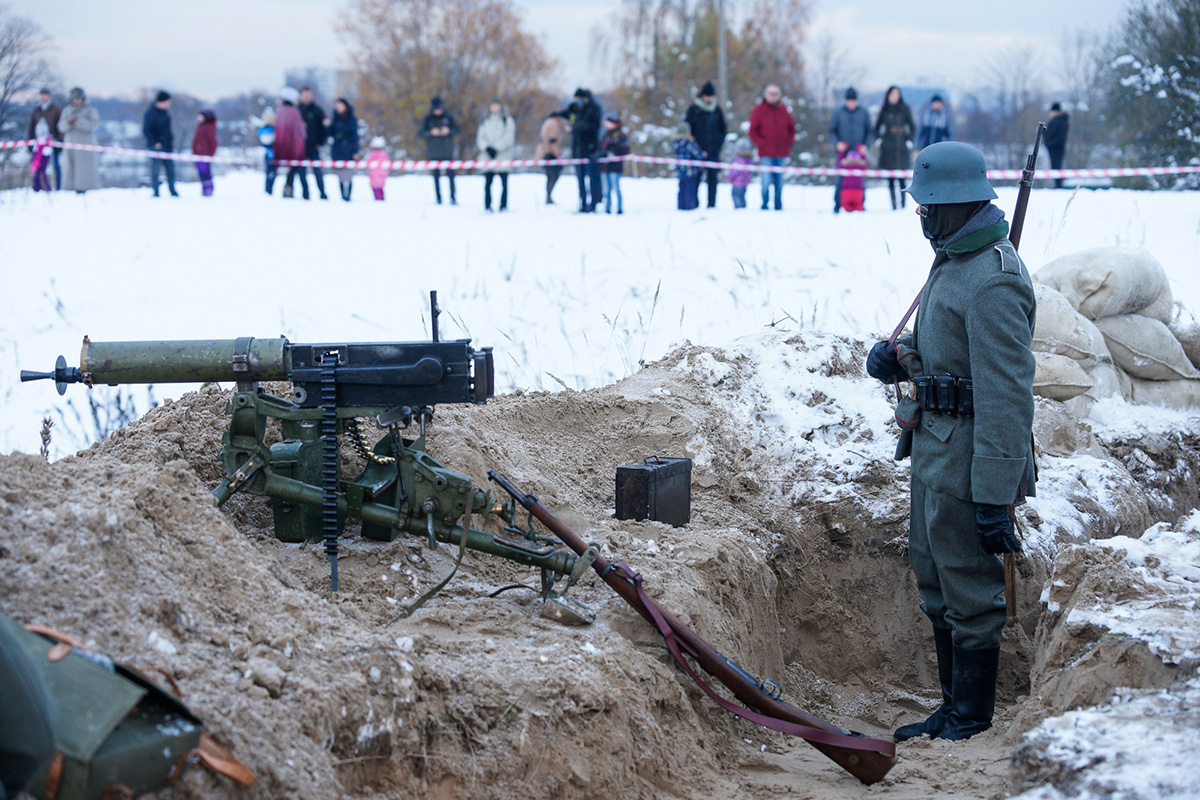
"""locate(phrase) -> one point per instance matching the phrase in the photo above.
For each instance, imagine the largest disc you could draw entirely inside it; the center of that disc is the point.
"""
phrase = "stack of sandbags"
(1124, 291)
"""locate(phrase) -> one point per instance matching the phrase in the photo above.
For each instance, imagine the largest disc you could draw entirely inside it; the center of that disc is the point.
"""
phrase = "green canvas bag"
(120, 734)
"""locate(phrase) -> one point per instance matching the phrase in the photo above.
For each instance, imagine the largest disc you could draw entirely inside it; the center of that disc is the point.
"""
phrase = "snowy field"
(565, 299)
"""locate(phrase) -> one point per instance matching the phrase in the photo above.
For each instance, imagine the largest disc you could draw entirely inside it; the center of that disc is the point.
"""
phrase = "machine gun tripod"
(402, 489)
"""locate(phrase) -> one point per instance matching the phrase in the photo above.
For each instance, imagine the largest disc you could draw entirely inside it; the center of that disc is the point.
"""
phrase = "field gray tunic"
(975, 321)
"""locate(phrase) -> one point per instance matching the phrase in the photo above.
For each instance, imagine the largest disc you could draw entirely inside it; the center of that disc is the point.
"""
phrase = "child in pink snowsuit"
(853, 186)
(378, 175)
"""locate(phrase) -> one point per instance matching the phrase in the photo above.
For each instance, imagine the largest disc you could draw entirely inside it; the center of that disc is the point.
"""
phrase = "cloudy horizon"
(227, 47)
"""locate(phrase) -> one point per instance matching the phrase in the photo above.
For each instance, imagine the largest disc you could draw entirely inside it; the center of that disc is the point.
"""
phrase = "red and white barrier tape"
(410, 165)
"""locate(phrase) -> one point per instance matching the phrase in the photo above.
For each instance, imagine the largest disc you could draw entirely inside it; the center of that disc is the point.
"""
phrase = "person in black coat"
(343, 130)
(439, 130)
(894, 130)
(585, 114)
(156, 127)
(707, 123)
(1056, 138)
(314, 127)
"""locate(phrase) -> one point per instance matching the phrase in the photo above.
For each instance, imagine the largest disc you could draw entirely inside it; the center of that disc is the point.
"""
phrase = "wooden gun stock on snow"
(865, 758)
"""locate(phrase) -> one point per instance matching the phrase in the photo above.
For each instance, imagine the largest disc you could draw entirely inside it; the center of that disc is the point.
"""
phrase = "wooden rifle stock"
(866, 759)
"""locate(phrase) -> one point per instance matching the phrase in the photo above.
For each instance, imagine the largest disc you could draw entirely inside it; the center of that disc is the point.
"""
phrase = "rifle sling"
(849, 741)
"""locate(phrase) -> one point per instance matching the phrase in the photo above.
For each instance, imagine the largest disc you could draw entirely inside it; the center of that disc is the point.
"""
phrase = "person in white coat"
(495, 139)
(78, 123)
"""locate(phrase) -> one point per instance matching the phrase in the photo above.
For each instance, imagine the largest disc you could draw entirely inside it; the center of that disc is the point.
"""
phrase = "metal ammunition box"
(659, 489)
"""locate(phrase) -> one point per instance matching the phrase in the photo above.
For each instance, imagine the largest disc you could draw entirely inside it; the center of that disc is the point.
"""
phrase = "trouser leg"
(837, 195)
(503, 191)
(155, 166)
(271, 171)
(57, 169)
(962, 587)
(437, 185)
(487, 190)
(597, 189)
(764, 179)
(302, 173)
(450, 179)
(903, 196)
(711, 176)
(319, 178)
(777, 179)
(552, 174)
(581, 174)
(169, 166)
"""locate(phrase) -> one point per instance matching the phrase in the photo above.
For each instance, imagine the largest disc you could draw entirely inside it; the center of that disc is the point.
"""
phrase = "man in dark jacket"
(439, 130)
(849, 127)
(585, 114)
(43, 123)
(1056, 138)
(156, 127)
(707, 123)
(967, 427)
(773, 132)
(315, 136)
(936, 125)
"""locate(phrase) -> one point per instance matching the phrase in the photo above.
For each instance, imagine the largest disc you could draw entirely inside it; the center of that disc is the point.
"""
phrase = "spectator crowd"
(297, 128)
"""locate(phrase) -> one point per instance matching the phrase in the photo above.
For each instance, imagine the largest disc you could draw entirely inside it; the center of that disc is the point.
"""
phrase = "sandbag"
(1060, 329)
(1099, 346)
(1189, 338)
(1059, 377)
(1145, 348)
(1182, 394)
(1107, 381)
(1108, 281)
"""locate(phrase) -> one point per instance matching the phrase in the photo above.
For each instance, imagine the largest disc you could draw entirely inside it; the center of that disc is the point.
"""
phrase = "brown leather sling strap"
(851, 741)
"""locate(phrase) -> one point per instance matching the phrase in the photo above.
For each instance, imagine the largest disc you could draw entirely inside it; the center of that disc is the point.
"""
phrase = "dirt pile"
(794, 565)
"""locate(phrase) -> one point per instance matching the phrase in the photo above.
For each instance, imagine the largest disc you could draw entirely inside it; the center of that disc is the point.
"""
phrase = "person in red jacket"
(204, 143)
(773, 131)
(290, 137)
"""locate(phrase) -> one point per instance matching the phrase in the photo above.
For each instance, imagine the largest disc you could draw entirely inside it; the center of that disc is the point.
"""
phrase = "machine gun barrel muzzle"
(61, 376)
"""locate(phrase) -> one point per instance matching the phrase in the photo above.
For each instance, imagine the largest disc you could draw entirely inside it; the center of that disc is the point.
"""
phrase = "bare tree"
(23, 65)
(1079, 58)
(831, 67)
(1015, 76)
(406, 51)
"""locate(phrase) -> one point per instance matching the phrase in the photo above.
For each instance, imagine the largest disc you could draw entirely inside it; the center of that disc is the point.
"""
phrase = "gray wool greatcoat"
(975, 321)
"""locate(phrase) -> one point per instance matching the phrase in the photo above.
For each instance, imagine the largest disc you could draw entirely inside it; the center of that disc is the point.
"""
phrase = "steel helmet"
(950, 172)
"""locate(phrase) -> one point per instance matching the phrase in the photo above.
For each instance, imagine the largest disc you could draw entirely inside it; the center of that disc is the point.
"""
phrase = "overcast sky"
(222, 47)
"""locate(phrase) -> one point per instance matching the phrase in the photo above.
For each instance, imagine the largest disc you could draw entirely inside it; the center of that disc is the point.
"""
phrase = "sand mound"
(794, 565)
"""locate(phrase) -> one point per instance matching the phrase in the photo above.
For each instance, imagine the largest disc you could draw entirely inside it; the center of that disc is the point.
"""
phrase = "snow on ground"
(580, 301)
(1143, 743)
(563, 297)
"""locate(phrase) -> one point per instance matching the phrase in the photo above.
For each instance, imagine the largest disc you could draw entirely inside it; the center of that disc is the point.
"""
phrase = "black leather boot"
(974, 693)
(944, 645)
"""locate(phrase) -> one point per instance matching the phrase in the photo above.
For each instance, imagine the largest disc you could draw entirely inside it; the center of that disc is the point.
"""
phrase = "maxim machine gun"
(334, 386)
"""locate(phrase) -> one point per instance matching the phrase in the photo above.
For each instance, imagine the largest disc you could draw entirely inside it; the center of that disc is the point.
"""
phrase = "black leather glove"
(491, 151)
(882, 364)
(994, 527)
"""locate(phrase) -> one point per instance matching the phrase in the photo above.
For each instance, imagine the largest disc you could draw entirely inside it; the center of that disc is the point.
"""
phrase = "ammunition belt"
(944, 394)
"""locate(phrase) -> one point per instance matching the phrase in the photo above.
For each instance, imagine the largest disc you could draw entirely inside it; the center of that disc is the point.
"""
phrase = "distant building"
(327, 83)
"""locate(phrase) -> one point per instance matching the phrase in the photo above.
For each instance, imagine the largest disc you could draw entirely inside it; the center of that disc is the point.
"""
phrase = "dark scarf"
(963, 227)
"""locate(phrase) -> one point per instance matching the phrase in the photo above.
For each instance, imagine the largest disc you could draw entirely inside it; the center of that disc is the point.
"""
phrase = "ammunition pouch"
(944, 395)
(119, 734)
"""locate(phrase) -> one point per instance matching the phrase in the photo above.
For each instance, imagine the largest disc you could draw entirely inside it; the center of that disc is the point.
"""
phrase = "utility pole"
(722, 55)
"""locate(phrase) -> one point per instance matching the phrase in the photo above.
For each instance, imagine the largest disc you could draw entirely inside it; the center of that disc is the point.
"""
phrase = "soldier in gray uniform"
(967, 425)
